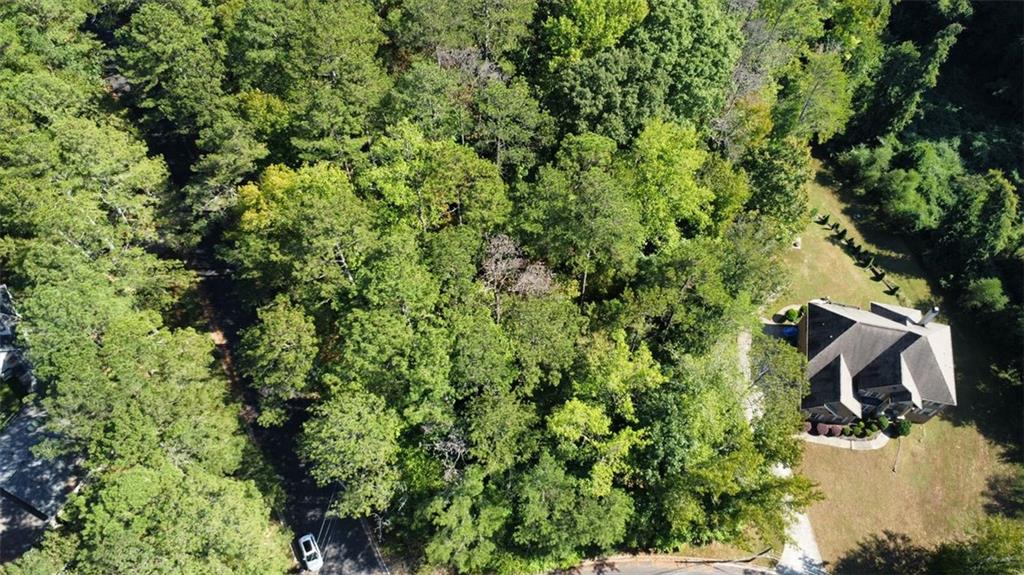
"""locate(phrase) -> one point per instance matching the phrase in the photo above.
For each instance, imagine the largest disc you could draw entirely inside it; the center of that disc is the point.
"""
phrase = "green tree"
(730, 187)
(817, 101)
(353, 440)
(433, 98)
(581, 27)
(675, 65)
(918, 197)
(165, 520)
(511, 125)
(481, 352)
(994, 546)
(543, 331)
(301, 230)
(502, 430)
(981, 222)
(583, 432)
(581, 213)
(172, 56)
(664, 161)
(560, 521)
(147, 393)
(906, 74)
(320, 59)
(985, 295)
(278, 354)
(681, 304)
(705, 477)
(778, 173)
(614, 375)
(433, 184)
(778, 383)
(495, 27)
(468, 522)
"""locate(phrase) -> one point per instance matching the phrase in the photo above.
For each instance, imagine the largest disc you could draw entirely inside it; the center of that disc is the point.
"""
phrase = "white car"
(311, 556)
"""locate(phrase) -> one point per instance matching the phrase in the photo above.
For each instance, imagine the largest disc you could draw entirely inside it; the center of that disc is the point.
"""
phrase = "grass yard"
(944, 468)
(820, 268)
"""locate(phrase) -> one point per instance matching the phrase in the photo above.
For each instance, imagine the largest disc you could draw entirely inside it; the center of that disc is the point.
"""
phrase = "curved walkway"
(877, 442)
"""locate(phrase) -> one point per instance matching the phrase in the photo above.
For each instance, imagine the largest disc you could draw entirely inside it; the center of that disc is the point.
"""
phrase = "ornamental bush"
(836, 430)
(903, 427)
(883, 422)
(822, 428)
(792, 315)
(807, 426)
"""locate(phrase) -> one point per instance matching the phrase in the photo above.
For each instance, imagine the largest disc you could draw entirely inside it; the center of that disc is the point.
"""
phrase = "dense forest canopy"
(494, 255)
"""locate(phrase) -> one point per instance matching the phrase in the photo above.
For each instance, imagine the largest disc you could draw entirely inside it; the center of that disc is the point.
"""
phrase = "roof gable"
(42, 483)
(881, 348)
(824, 327)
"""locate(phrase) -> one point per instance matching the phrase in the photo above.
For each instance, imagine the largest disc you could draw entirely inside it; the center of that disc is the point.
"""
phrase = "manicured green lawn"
(943, 468)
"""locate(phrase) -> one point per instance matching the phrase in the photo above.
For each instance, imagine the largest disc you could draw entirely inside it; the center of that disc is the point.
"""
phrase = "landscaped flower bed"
(865, 429)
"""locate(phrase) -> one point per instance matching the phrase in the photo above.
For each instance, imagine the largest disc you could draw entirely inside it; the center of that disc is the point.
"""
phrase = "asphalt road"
(346, 548)
(344, 543)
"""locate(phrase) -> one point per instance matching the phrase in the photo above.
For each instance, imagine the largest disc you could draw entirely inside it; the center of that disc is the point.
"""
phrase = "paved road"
(345, 545)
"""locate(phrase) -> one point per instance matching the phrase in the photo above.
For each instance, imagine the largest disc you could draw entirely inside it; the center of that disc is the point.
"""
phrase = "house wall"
(822, 413)
(928, 410)
(801, 340)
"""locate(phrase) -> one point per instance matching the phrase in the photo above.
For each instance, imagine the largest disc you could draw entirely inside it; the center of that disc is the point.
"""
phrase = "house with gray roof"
(889, 359)
(33, 486)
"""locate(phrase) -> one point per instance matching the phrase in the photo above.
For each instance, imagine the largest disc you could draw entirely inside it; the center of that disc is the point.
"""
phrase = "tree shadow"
(886, 554)
(893, 251)
(1005, 494)
(597, 566)
(808, 566)
(985, 400)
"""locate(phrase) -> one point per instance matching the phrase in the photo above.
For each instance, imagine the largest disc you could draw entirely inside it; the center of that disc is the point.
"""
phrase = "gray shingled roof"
(43, 484)
(881, 348)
